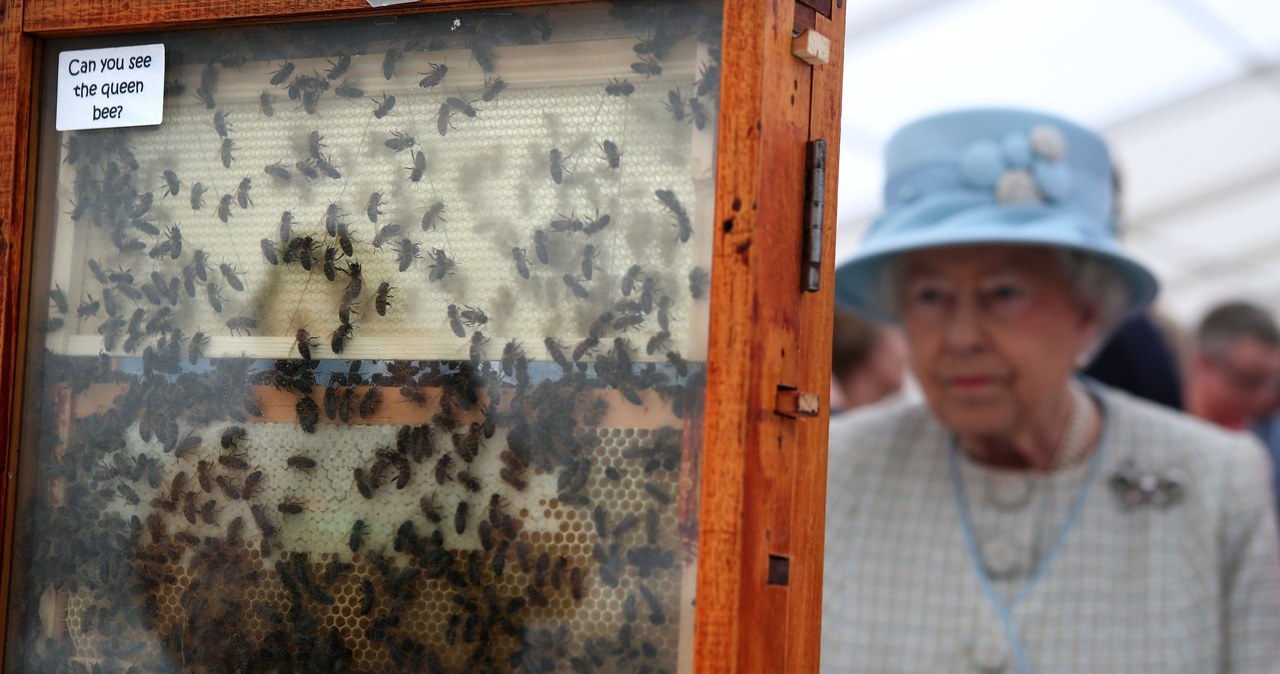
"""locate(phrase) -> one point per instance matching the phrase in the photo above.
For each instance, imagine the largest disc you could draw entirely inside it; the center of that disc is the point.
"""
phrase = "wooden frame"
(764, 472)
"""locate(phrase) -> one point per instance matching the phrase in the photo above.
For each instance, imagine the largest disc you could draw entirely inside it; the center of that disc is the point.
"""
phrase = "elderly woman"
(1023, 519)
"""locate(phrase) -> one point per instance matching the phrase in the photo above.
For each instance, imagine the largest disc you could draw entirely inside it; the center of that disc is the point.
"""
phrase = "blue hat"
(991, 176)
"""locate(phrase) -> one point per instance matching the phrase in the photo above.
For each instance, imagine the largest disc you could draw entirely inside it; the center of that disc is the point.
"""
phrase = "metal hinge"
(814, 197)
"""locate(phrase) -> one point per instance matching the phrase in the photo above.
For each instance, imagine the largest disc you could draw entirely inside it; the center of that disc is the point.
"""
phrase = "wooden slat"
(49, 18)
(17, 66)
(808, 512)
(729, 349)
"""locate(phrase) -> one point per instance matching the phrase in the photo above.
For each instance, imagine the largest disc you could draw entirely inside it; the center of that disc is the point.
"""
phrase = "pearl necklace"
(1075, 441)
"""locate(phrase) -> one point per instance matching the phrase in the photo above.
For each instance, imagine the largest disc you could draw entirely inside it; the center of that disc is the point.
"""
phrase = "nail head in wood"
(812, 47)
(793, 403)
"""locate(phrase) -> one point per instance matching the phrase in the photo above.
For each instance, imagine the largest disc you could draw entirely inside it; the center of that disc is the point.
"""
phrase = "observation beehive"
(391, 347)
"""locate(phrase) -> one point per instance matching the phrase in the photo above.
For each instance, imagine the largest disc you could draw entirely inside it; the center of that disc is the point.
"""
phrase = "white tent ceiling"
(1186, 91)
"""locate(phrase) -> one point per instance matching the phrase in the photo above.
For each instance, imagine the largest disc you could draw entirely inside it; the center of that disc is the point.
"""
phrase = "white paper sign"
(108, 88)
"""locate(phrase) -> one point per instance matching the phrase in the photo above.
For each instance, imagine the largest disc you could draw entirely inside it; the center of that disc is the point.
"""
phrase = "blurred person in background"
(868, 362)
(1235, 366)
(1234, 374)
(1022, 518)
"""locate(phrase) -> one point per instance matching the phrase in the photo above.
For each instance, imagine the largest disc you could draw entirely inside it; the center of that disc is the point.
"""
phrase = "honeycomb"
(509, 484)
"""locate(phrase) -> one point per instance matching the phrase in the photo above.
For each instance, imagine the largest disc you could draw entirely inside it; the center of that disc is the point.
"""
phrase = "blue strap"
(1004, 613)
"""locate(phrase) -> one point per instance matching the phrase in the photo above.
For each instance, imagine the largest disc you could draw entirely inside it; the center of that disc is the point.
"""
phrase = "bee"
(407, 252)
(565, 224)
(330, 265)
(430, 509)
(363, 482)
(231, 276)
(419, 167)
(307, 167)
(229, 487)
(242, 192)
(197, 196)
(399, 141)
(657, 492)
(280, 75)
(171, 183)
(443, 117)
(442, 468)
(432, 216)
(349, 89)
(575, 286)
(647, 67)
(269, 252)
(540, 247)
(228, 147)
(616, 87)
(557, 353)
(698, 112)
(315, 143)
(278, 171)
(675, 105)
(522, 263)
(356, 539)
(303, 340)
(267, 104)
(462, 106)
(709, 79)
(389, 61)
(88, 307)
(301, 249)
(589, 253)
(233, 461)
(466, 479)
(331, 218)
(699, 282)
(557, 166)
(611, 154)
(384, 234)
(455, 321)
(678, 362)
(330, 170)
(338, 339)
(442, 265)
(435, 77)
(196, 350)
(460, 517)
(302, 464)
(484, 57)
(492, 87)
(473, 316)
(383, 299)
(369, 404)
(372, 207)
(253, 482)
(669, 199)
(220, 123)
(308, 414)
(224, 207)
(291, 505)
(383, 107)
(59, 299)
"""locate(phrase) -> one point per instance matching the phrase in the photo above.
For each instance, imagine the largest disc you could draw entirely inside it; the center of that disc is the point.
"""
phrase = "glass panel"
(384, 352)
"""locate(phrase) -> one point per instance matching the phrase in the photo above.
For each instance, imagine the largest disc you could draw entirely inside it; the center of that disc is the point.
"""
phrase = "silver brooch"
(1136, 488)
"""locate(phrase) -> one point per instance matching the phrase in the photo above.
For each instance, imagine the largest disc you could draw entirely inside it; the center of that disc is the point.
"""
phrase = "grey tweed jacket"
(1172, 564)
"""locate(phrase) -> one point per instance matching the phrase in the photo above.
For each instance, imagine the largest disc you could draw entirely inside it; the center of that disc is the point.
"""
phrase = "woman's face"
(994, 333)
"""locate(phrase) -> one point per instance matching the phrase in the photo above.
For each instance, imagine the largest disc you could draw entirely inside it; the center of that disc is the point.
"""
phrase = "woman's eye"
(1002, 293)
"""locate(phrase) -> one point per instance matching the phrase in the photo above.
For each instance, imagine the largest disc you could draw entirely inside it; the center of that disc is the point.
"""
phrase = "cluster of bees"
(188, 514)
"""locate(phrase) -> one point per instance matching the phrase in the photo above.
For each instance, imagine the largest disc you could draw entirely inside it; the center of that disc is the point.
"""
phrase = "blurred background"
(1186, 91)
